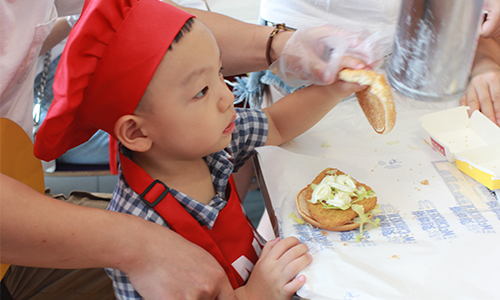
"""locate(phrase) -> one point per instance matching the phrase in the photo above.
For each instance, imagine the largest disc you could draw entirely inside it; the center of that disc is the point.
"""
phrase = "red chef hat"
(109, 59)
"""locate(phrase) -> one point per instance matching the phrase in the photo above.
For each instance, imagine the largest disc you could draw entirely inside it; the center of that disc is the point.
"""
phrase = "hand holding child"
(275, 273)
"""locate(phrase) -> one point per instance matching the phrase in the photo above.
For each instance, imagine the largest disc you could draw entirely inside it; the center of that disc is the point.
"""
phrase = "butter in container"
(473, 143)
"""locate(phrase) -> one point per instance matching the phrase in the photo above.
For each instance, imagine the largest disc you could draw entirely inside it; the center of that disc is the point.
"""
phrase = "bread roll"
(375, 100)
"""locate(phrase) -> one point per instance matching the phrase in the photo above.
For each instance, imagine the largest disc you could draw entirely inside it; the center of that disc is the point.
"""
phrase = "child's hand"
(274, 275)
(342, 88)
(297, 112)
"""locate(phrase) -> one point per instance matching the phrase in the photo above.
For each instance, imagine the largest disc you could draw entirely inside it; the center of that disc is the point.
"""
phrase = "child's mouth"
(230, 128)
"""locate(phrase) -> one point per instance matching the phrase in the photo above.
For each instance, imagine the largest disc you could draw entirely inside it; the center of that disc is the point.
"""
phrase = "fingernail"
(360, 66)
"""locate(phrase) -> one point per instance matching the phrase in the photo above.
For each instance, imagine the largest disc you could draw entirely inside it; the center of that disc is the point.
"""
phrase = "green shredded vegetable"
(296, 219)
(365, 195)
(364, 218)
(360, 193)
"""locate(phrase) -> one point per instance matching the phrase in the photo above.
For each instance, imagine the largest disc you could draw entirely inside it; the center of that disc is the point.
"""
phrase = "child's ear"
(130, 132)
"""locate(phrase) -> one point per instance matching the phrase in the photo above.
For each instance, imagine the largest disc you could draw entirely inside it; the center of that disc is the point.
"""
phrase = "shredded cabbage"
(337, 192)
(364, 218)
(296, 219)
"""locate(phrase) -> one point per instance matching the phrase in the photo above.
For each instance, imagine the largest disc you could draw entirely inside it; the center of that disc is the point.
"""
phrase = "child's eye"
(202, 92)
(220, 72)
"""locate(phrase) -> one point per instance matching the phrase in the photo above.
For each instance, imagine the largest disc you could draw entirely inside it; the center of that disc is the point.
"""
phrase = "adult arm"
(483, 92)
(57, 34)
(43, 232)
(243, 45)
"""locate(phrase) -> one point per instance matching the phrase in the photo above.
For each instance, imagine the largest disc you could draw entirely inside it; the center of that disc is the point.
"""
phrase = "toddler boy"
(150, 75)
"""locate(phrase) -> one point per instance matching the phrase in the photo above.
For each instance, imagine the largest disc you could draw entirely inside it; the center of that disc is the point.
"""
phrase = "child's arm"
(295, 113)
(274, 274)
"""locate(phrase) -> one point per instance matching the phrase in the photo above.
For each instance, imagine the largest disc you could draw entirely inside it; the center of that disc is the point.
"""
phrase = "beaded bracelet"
(279, 27)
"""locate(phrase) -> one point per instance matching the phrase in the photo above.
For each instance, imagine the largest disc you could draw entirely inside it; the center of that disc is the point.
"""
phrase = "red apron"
(233, 241)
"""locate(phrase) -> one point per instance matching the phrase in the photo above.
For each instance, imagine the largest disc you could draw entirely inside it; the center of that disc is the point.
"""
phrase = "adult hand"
(491, 26)
(483, 93)
(41, 231)
(173, 268)
(306, 55)
(314, 54)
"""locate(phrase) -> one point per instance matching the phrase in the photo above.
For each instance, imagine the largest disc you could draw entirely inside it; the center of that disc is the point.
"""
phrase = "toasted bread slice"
(376, 100)
(330, 219)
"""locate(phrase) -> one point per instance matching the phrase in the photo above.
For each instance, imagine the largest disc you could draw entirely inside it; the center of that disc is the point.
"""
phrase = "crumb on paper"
(395, 256)
(296, 219)
(424, 182)
(325, 145)
(393, 143)
(324, 233)
(412, 147)
(345, 244)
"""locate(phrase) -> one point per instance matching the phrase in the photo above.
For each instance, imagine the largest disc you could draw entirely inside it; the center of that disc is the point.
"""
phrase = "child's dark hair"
(186, 28)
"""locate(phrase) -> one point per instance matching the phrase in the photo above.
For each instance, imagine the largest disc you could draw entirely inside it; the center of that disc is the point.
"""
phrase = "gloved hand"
(312, 55)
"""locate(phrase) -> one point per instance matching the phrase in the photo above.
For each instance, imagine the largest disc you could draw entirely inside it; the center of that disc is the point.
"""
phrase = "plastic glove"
(312, 55)
(491, 26)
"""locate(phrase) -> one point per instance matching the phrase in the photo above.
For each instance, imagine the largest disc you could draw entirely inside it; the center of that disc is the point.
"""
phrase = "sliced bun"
(329, 219)
(376, 100)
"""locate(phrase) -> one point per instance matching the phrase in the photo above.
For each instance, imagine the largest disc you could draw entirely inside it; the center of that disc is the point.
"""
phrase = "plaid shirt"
(250, 132)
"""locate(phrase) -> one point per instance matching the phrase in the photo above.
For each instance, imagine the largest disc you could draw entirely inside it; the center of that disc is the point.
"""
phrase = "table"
(439, 229)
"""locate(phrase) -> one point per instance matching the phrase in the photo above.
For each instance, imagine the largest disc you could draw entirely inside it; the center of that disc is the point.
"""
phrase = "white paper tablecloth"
(439, 234)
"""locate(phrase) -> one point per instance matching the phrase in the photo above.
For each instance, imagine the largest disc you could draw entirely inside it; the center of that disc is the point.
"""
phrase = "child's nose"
(227, 98)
